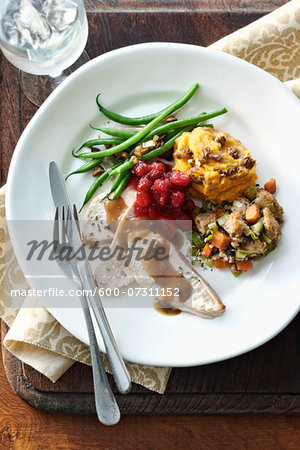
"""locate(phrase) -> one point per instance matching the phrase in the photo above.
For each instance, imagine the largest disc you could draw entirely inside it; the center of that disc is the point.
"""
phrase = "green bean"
(86, 167)
(121, 186)
(125, 134)
(127, 165)
(103, 141)
(180, 124)
(184, 122)
(147, 119)
(96, 184)
(139, 136)
(115, 185)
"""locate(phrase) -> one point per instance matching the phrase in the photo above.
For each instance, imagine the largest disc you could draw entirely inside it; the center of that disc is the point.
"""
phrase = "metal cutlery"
(106, 406)
(115, 359)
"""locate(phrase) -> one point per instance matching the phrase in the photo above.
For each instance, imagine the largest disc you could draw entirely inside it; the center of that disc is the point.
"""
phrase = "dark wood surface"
(265, 380)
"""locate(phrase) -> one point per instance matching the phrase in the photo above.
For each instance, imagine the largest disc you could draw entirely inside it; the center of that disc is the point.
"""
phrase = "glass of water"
(45, 39)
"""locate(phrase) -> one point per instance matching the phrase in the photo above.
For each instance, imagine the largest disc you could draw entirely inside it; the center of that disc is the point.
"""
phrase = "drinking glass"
(45, 40)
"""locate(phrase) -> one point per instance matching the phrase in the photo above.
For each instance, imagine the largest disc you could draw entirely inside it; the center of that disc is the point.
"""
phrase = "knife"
(118, 368)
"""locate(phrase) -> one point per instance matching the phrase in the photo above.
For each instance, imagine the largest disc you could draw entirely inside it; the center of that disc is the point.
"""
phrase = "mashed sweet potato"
(219, 165)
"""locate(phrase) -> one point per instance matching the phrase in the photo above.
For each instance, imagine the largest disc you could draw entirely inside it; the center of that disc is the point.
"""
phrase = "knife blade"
(117, 365)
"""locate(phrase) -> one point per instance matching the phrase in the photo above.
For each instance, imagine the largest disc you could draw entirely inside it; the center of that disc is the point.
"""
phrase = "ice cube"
(37, 4)
(10, 30)
(28, 18)
(25, 39)
(60, 14)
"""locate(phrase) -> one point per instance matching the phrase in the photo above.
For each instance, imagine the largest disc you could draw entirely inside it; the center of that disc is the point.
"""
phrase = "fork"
(106, 406)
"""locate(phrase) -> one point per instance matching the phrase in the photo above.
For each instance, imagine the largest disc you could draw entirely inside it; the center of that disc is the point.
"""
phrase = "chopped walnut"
(234, 152)
(221, 139)
(249, 162)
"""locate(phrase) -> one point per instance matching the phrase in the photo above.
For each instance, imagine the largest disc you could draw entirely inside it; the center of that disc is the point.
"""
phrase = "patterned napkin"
(35, 337)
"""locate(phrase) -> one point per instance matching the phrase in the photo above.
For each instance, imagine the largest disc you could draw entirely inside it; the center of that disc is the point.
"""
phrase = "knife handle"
(117, 365)
(106, 406)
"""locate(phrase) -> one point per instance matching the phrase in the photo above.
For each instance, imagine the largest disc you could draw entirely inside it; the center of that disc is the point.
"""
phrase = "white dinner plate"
(138, 80)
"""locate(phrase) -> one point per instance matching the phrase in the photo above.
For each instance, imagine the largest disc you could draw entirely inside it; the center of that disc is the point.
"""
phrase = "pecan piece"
(232, 170)
(170, 119)
(195, 176)
(205, 153)
(188, 152)
(97, 171)
(215, 156)
(198, 179)
(122, 155)
(191, 162)
(163, 136)
(140, 151)
(179, 155)
(227, 172)
(234, 152)
(221, 139)
(134, 160)
(249, 162)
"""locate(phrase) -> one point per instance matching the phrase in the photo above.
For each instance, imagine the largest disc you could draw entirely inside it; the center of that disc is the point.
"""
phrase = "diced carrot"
(221, 264)
(270, 186)
(252, 214)
(219, 212)
(207, 250)
(220, 240)
(244, 265)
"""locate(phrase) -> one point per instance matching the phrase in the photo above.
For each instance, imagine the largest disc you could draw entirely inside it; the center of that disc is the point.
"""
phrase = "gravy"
(167, 277)
(115, 208)
(167, 311)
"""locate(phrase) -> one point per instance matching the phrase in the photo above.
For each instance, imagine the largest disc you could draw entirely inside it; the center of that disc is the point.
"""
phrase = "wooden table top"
(23, 427)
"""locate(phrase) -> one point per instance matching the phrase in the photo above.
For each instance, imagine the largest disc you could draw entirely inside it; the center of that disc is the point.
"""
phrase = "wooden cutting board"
(264, 380)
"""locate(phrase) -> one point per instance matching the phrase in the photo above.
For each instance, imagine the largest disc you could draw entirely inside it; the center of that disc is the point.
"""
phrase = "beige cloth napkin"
(272, 43)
